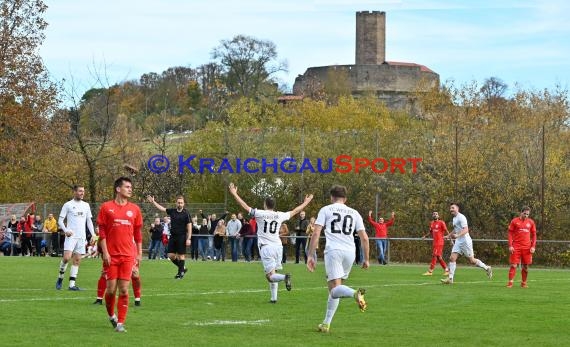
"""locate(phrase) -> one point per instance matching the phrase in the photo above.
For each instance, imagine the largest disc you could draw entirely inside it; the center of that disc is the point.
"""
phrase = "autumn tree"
(27, 96)
(249, 65)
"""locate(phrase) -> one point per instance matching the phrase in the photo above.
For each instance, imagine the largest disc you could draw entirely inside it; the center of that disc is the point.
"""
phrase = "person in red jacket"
(24, 230)
(436, 229)
(120, 222)
(522, 244)
(381, 235)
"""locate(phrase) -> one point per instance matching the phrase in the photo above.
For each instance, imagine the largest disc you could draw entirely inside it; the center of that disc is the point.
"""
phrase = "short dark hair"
(338, 191)
(76, 187)
(119, 182)
(270, 202)
(180, 197)
(525, 208)
(456, 204)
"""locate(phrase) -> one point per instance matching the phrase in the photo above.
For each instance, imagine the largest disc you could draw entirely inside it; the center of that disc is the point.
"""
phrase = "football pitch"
(227, 304)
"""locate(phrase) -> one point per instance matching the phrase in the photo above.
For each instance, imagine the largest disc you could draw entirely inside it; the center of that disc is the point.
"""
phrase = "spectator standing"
(232, 229)
(381, 235)
(155, 231)
(50, 226)
(301, 236)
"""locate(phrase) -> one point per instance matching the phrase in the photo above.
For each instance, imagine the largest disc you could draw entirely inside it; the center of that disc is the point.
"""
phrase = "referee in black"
(180, 233)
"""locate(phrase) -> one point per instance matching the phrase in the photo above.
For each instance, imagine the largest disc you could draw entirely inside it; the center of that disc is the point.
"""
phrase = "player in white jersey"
(268, 241)
(77, 214)
(338, 222)
(463, 245)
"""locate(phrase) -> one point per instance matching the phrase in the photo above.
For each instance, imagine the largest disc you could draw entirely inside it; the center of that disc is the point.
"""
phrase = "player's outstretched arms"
(301, 207)
(233, 191)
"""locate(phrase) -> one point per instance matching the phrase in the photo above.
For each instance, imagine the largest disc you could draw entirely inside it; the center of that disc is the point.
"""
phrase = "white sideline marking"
(229, 322)
(246, 291)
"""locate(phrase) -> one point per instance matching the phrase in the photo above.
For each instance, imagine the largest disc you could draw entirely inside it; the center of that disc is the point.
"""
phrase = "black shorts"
(177, 244)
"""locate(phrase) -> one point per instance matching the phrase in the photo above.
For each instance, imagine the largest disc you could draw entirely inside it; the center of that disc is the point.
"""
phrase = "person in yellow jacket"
(50, 226)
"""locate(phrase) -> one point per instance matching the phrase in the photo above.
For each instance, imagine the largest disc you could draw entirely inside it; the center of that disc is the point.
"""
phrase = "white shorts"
(74, 245)
(271, 256)
(338, 263)
(463, 247)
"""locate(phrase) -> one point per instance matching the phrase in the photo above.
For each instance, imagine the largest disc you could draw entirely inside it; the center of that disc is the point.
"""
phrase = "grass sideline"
(226, 304)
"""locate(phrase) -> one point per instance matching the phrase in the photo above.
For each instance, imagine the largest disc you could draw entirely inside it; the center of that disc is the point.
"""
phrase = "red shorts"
(522, 256)
(121, 268)
(437, 250)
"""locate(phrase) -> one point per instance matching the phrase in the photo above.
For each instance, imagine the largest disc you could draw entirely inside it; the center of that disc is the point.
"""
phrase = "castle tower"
(370, 38)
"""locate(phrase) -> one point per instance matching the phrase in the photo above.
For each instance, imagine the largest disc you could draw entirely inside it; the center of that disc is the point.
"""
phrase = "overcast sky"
(524, 42)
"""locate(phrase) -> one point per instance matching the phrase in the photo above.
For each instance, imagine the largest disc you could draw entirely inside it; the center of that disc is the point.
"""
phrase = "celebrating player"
(77, 213)
(522, 244)
(436, 229)
(339, 222)
(463, 245)
(269, 243)
(120, 222)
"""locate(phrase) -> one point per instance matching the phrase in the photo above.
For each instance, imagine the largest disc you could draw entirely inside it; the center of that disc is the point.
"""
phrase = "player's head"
(454, 208)
(525, 212)
(78, 192)
(435, 215)
(123, 187)
(269, 203)
(338, 193)
(179, 202)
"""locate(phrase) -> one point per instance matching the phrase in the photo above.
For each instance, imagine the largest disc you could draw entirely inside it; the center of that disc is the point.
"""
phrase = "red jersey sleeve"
(102, 223)
(533, 235)
(511, 230)
(137, 227)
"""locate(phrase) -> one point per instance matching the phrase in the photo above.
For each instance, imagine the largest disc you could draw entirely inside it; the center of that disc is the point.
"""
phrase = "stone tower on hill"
(392, 82)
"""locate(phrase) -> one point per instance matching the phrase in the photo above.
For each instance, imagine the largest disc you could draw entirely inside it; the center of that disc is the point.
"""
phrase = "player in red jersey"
(522, 244)
(120, 222)
(436, 229)
(102, 283)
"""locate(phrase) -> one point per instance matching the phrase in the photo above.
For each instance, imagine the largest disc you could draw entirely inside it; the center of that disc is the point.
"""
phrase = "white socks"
(273, 288)
(332, 305)
(277, 277)
(452, 267)
(342, 291)
(480, 264)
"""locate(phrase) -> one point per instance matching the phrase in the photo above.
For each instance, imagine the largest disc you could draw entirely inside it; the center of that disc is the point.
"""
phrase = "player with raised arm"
(269, 244)
(522, 244)
(77, 214)
(339, 223)
(120, 224)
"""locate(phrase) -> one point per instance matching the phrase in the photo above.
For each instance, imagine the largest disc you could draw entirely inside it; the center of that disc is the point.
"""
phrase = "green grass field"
(226, 304)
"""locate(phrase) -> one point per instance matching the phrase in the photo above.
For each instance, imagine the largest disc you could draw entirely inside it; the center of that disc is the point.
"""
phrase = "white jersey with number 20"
(268, 225)
(339, 222)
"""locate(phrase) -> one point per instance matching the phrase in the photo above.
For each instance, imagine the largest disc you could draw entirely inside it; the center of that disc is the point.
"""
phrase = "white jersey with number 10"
(339, 222)
(268, 225)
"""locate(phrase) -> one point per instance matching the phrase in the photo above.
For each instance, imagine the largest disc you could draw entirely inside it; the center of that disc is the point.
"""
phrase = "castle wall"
(363, 78)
